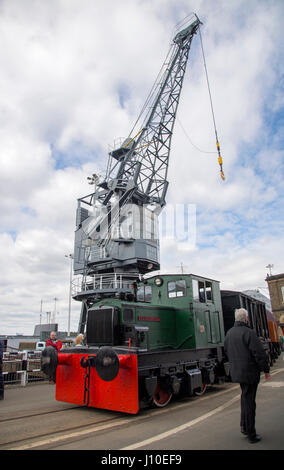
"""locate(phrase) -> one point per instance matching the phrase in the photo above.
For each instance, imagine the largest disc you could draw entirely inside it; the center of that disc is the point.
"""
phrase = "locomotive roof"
(182, 275)
(234, 292)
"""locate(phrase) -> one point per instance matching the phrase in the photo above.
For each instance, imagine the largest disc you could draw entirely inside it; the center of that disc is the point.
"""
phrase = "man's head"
(53, 335)
(241, 314)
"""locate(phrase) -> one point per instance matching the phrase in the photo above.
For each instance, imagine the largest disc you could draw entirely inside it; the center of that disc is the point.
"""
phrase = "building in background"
(276, 292)
(18, 342)
(43, 330)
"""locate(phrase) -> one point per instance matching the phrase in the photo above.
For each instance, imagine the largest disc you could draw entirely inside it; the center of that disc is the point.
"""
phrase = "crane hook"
(220, 161)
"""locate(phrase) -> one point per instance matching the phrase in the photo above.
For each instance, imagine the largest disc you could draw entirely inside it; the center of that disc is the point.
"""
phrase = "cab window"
(140, 294)
(198, 289)
(208, 287)
(148, 293)
(181, 288)
(144, 293)
(201, 289)
(176, 288)
(171, 289)
(195, 291)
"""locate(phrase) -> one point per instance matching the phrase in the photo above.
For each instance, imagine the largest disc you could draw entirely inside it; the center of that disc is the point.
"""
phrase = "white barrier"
(22, 368)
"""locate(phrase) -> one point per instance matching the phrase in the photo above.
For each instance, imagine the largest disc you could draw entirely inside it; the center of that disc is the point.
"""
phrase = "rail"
(103, 282)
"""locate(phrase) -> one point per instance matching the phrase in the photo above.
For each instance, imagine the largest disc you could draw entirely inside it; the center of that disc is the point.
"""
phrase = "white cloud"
(66, 67)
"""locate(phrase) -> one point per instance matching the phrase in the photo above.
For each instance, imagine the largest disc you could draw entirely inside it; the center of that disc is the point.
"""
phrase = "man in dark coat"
(1, 375)
(247, 359)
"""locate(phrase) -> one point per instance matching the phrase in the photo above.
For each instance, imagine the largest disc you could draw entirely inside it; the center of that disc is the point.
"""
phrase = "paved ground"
(32, 399)
(210, 422)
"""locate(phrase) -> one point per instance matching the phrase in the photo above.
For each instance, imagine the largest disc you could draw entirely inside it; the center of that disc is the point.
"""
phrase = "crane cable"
(220, 161)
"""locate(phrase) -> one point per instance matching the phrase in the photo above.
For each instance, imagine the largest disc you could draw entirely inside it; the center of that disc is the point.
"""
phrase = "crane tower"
(116, 236)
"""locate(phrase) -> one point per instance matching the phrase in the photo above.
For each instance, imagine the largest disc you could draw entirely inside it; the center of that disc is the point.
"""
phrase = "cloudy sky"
(74, 75)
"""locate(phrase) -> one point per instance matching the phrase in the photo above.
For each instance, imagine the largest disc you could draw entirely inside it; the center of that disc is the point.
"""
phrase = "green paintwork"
(184, 322)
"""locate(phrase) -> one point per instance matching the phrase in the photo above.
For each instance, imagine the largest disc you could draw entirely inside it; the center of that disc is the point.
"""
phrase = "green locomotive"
(150, 340)
(174, 325)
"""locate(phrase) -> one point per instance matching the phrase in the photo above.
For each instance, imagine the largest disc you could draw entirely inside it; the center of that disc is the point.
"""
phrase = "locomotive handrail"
(183, 341)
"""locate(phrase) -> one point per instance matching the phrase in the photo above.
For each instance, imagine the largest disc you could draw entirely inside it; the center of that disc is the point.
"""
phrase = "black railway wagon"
(232, 300)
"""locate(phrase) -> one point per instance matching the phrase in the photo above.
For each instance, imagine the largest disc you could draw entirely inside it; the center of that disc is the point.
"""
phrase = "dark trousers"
(248, 407)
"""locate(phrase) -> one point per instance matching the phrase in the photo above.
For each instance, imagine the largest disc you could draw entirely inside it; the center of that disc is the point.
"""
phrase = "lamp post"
(182, 266)
(70, 291)
(54, 313)
(48, 315)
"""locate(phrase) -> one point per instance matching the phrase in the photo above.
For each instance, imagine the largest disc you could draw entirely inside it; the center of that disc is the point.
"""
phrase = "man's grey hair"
(241, 314)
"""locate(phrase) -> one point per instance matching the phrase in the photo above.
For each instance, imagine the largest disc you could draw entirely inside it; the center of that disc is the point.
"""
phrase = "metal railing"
(22, 367)
(103, 282)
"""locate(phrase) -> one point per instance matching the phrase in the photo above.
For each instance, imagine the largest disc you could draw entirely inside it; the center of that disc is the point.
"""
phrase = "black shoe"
(2, 397)
(254, 438)
(243, 431)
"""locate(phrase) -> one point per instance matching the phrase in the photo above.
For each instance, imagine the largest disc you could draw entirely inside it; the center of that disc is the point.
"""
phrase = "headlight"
(158, 281)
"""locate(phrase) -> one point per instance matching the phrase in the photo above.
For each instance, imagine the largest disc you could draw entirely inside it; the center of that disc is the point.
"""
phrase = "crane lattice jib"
(137, 171)
(151, 148)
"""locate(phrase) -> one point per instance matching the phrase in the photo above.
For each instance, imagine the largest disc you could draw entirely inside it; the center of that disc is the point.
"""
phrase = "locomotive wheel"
(202, 390)
(162, 396)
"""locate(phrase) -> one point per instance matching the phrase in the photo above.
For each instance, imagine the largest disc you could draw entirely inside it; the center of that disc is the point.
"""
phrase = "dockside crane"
(116, 237)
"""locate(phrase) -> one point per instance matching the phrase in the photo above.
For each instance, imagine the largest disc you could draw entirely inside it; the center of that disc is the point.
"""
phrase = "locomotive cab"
(188, 306)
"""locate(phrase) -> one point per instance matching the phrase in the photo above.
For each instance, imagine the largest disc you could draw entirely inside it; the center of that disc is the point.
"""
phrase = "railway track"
(52, 428)
(73, 433)
(46, 428)
(42, 413)
(25, 431)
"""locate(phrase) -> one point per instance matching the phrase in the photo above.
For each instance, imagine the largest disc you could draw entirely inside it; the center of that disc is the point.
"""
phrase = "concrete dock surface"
(31, 418)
